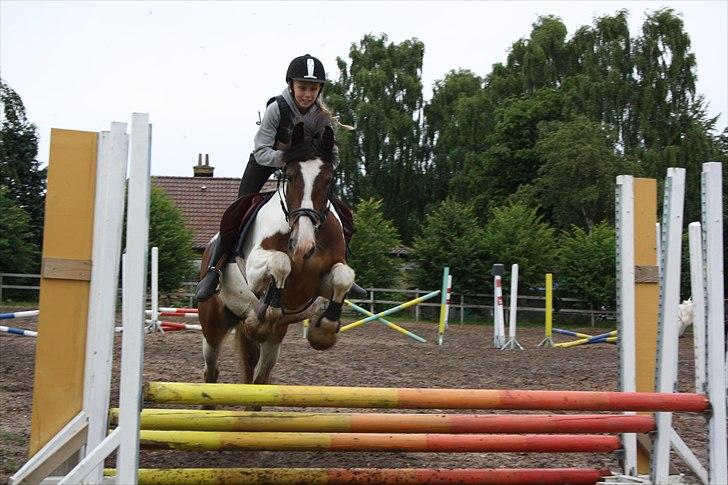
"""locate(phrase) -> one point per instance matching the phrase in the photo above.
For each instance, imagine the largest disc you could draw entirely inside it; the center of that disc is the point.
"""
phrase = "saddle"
(239, 217)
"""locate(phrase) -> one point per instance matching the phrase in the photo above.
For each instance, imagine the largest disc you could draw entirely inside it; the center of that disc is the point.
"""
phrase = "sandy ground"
(368, 356)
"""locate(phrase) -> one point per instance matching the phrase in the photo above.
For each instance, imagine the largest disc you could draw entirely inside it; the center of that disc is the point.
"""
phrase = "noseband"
(316, 217)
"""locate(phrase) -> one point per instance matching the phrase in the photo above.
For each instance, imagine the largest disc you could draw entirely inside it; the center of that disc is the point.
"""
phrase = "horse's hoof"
(322, 335)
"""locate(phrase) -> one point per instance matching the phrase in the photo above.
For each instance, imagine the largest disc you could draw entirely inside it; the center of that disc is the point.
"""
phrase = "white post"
(498, 318)
(134, 289)
(108, 222)
(697, 291)
(512, 342)
(155, 326)
(624, 209)
(712, 215)
(672, 218)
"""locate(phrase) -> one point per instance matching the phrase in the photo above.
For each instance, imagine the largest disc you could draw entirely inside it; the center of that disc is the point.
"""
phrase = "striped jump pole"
(178, 314)
(403, 306)
(367, 476)
(168, 309)
(499, 336)
(24, 314)
(585, 338)
(377, 442)
(387, 323)
(445, 293)
(305, 422)
(18, 331)
(571, 333)
(588, 341)
(419, 398)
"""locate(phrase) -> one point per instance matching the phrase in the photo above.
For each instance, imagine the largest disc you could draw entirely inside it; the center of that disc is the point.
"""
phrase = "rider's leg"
(253, 180)
(221, 247)
(254, 177)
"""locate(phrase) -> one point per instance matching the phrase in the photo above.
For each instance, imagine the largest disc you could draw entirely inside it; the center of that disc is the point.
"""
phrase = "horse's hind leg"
(258, 359)
(334, 286)
(216, 322)
(248, 355)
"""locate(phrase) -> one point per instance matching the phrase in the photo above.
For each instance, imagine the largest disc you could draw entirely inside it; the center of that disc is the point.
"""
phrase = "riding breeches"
(254, 177)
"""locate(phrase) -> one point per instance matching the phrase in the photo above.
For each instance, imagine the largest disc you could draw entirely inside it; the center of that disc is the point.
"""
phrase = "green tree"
(371, 246)
(458, 119)
(168, 233)
(451, 236)
(511, 159)
(18, 253)
(19, 170)
(582, 155)
(380, 93)
(516, 234)
(587, 265)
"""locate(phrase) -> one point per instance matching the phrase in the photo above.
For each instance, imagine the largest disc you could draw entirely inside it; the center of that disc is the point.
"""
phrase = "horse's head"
(307, 183)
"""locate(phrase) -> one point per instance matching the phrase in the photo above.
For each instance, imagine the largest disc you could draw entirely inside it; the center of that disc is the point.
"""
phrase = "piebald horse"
(290, 266)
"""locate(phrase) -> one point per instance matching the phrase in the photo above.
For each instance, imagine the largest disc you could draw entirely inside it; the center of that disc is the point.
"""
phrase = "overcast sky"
(204, 70)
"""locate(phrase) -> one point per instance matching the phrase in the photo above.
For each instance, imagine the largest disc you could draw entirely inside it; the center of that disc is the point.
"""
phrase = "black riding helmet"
(306, 68)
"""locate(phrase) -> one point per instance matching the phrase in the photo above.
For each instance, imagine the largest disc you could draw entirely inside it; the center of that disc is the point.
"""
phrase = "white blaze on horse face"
(303, 232)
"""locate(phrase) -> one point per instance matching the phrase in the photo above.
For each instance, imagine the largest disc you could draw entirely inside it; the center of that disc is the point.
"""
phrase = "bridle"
(316, 217)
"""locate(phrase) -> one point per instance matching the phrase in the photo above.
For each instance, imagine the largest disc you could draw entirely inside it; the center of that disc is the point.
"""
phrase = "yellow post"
(646, 295)
(65, 280)
(548, 340)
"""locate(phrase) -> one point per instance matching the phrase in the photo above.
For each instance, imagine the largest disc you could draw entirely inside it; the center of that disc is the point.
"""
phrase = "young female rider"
(305, 79)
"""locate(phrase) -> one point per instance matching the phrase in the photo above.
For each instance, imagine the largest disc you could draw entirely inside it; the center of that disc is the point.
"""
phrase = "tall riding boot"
(207, 285)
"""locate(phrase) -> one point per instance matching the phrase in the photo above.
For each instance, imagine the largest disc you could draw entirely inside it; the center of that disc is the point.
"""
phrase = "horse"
(290, 266)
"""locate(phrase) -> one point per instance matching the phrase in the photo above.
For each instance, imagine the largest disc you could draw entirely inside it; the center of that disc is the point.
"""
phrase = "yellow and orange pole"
(361, 476)
(378, 442)
(232, 420)
(419, 398)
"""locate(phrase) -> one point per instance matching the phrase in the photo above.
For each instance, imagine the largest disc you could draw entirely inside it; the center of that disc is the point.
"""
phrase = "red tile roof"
(202, 201)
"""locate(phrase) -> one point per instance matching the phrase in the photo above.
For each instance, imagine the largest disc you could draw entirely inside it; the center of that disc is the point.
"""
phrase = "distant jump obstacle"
(585, 338)
(87, 430)
(18, 331)
(499, 336)
(444, 293)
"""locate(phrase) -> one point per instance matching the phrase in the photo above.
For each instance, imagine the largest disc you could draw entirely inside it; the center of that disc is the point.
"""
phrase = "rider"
(305, 78)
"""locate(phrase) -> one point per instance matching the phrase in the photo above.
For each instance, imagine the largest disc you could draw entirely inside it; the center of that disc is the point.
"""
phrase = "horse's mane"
(314, 125)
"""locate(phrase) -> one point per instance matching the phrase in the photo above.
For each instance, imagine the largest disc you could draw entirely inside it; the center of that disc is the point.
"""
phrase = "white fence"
(460, 306)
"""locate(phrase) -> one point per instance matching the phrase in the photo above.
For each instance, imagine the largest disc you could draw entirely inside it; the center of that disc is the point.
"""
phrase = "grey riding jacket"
(264, 152)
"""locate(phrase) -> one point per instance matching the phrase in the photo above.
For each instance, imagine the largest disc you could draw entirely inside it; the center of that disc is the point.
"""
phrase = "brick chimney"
(201, 170)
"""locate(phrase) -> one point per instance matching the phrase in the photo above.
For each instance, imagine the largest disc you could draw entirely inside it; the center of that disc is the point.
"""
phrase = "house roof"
(202, 201)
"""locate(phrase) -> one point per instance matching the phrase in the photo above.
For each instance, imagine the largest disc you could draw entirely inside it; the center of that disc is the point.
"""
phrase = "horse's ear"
(297, 134)
(327, 139)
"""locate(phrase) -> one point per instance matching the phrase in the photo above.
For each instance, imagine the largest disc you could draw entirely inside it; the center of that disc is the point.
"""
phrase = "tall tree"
(371, 246)
(580, 154)
(458, 120)
(380, 93)
(18, 252)
(20, 172)
(451, 237)
(517, 234)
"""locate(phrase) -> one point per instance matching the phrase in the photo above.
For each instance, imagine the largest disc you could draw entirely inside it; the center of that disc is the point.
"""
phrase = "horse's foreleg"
(267, 270)
(335, 284)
